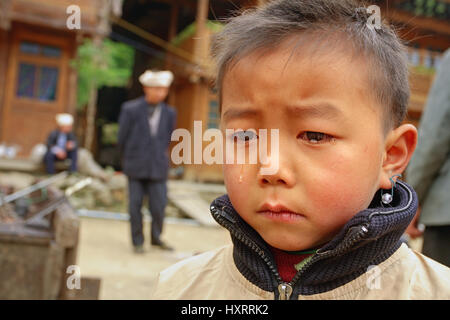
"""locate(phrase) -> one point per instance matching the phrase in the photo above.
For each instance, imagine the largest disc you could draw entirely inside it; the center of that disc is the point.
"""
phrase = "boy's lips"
(279, 212)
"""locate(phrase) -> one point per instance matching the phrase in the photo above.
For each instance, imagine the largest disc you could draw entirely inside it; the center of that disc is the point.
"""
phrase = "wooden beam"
(5, 14)
(200, 90)
(173, 26)
(4, 51)
(201, 41)
(438, 26)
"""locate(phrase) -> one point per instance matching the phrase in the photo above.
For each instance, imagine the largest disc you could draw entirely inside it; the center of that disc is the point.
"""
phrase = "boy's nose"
(266, 180)
(283, 176)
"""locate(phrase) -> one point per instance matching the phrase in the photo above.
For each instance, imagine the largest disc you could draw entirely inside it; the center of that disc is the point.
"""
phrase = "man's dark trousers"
(50, 159)
(157, 200)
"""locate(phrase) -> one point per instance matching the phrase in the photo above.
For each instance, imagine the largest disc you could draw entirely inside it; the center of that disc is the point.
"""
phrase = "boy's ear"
(399, 147)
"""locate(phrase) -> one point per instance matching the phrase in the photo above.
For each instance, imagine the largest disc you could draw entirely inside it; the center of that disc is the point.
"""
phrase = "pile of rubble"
(7, 214)
(107, 190)
(8, 185)
(106, 193)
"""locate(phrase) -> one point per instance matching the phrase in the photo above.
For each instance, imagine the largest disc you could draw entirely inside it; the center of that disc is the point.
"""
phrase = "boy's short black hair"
(267, 26)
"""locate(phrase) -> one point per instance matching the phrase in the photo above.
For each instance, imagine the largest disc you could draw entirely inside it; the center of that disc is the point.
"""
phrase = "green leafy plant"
(110, 133)
(423, 70)
(190, 30)
(108, 64)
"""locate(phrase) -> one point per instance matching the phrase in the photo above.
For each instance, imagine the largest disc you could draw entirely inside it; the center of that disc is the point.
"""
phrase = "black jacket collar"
(369, 238)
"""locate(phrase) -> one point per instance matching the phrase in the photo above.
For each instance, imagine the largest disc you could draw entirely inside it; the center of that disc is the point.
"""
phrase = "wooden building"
(36, 77)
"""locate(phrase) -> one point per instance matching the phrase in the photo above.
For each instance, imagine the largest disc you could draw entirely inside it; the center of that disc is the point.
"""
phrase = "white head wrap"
(156, 78)
(64, 119)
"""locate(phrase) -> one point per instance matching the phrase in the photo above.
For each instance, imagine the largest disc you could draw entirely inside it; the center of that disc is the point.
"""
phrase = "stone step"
(186, 197)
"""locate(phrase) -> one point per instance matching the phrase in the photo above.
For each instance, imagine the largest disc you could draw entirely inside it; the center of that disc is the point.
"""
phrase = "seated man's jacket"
(52, 139)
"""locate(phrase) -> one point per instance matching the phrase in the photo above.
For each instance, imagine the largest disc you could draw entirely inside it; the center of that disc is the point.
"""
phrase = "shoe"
(139, 249)
(162, 245)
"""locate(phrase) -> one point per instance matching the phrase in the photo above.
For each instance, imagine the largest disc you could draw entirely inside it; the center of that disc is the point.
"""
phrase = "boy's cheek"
(231, 179)
(239, 180)
(337, 194)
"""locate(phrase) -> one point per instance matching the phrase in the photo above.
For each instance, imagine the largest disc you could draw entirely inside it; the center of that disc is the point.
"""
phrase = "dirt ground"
(105, 252)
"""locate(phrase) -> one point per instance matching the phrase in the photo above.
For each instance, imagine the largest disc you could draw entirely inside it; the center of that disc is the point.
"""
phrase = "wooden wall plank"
(4, 50)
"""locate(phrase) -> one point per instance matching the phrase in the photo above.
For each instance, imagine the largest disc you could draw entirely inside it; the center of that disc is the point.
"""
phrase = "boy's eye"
(315, 137)
(244, 136)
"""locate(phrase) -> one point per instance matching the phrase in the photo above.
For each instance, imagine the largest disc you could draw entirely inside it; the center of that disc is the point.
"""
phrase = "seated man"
(61, 144)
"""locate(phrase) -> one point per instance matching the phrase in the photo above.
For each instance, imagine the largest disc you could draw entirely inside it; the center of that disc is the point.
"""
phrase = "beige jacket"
(213, 275)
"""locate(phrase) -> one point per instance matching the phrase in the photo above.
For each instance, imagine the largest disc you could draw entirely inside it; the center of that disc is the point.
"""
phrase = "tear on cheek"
(234, 176)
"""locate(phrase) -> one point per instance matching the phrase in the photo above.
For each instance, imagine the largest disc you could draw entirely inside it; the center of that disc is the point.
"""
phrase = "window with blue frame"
(37, 81)
(38, 49)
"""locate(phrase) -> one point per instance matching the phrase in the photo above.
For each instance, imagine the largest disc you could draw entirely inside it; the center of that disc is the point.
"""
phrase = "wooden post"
(5, 24)
(103, 28)
(200, 89)
(201, 50)
(5, 10)
(91, 110)
(173, 26)
(201, 43)
(4, 49)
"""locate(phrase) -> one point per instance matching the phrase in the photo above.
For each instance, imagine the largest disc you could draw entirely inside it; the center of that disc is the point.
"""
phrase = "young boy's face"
(331, 144)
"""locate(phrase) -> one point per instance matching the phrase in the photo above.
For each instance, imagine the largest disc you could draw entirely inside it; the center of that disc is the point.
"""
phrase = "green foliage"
(190, 30)
(423, 70)
(110, 133)
(111, 64)
(428, 8)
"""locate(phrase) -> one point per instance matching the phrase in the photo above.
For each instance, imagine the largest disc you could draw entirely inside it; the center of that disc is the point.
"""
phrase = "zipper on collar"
(322, 255)
(285, 291)
(224, 219)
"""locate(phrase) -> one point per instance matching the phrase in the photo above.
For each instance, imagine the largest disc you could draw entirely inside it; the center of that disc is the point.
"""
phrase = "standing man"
(61, 144)
(146, 125)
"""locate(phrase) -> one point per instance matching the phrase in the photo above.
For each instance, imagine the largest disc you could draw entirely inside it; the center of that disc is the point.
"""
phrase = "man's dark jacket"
(52, 139)
(145, 156)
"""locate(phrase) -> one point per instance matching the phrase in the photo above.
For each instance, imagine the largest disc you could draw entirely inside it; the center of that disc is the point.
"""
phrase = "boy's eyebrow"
(321, 110)
(241, 113)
